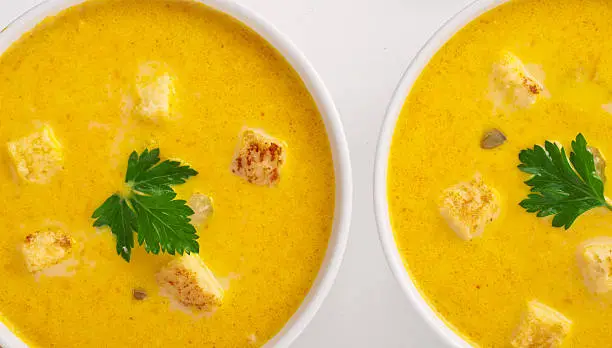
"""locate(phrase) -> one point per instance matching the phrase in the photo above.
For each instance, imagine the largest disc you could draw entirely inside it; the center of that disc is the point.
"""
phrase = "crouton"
(469, 207)
(607, 108)
(188, 280)
(44, 249)
(259, 158)
(155, 92)
(252, 339)
(600, 162)
(595, 263)
(512, 85)
(541, 327)
(202, 207)
(38, 156)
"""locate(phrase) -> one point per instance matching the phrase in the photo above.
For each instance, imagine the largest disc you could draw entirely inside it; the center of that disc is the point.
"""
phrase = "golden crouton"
(541, 327)
(43, 249)
(155, 92)
(190, 282)
(595, 262)
(38, 156)
(259, 158)
(202, 207)
(469, 206)
(512, 85)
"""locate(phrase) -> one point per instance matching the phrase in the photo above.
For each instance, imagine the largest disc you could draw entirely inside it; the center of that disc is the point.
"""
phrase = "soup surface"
(75, 73)
(481, 287)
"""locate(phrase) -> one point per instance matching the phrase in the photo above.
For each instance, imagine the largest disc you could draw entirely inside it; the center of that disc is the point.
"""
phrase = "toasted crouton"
(259, 158)
(38, 156)
(44, 249)
(512, 85)
(607, 108)
(202, 207)
(188, 280)
(469, 206)
(541, 327)
(155, 92)
(595, 262)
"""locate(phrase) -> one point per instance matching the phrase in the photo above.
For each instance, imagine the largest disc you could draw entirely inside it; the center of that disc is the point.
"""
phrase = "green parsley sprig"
(561, 187)
(148, 208)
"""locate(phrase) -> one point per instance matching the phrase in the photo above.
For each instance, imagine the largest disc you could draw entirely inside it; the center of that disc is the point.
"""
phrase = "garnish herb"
(561, 187)
(148, 208)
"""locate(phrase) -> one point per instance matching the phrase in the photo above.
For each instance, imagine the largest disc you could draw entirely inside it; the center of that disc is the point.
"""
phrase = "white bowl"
(445, 33)
(342, 167)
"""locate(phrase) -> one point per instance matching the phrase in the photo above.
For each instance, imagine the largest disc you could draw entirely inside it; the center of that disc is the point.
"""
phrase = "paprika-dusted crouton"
(595, 262)
(202, 207)
(259, 158)
(469, 206)
(38, 156)
(43, 249)
(541, 327)
(155, 92)
(188, 280)
(512, 85)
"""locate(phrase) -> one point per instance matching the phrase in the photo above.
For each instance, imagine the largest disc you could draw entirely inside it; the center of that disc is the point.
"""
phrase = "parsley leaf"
(116, 214)
(144, 176)
(561, 187)
(149, 208)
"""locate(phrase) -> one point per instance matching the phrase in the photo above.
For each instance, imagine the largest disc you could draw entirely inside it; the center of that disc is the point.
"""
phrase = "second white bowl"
(445, 33)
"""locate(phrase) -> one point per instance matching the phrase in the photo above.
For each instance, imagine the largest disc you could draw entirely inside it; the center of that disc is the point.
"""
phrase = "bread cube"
(541, 327)
(469, 207)
(43, 249)
(595, 263)
(38, 156)
(155, 92)
(202, 207)
(259, 158)
(187, 280)
(512, 85)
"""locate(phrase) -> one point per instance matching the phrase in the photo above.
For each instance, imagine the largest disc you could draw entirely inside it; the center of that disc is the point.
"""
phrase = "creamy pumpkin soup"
(166, 180)
(497, 180)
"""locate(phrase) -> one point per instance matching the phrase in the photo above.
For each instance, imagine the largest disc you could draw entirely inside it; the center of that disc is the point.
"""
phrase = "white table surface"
(360, 48)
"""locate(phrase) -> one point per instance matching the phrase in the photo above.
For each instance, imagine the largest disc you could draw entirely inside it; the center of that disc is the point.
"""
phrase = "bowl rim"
(385, 231)
(340, 151)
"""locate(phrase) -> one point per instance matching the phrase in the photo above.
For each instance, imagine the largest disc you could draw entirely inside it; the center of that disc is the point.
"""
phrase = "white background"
(360, 48)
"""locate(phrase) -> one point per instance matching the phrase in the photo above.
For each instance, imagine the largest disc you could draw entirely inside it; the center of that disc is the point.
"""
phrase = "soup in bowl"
(491, 182)
(173, 174)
